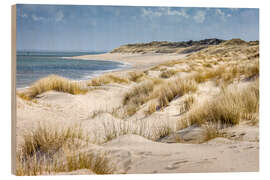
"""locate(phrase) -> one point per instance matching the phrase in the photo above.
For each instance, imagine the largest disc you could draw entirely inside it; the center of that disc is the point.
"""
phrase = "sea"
(33, 65)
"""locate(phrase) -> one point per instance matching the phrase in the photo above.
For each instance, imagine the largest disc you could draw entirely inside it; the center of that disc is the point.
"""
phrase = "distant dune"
(176, 47)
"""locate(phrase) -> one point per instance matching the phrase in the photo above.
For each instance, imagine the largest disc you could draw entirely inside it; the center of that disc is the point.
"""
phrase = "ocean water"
(32, 66)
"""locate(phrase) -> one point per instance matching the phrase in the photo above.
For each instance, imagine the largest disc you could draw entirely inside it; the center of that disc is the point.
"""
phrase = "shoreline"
(129, 62)
(95, 73)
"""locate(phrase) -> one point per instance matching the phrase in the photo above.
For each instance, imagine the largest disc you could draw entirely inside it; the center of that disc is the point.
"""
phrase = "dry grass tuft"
(136, 76)
(163, 91)
(229, 107)
(47, 141)
(55, 83)
(114, 129)
(49, 150)
(98, 163)
(152, 107)
(168, 73)
(211, 132)
(139, 94)
(107, 79)
(187, 103)
(174, 89)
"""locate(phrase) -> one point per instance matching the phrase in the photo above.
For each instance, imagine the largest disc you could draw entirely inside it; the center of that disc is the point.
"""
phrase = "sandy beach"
(138, 61)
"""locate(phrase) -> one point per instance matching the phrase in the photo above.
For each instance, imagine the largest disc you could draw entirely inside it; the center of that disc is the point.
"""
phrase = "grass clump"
(168, 73)
(229, 107)
(152, 131)
(47, 141)
(163, 91)
(49, 150)
(98, 163)
(52, 82)
(187, 103)
(107, 79)
(139, 94)
(152, 107)
(174, 89)
(136, 76)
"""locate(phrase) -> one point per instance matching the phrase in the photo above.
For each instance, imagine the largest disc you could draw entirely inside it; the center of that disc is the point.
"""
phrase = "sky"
(103, 28)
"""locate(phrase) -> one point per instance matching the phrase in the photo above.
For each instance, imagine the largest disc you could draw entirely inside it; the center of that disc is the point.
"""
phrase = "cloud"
(37, 18)
(221, 14)
(182, 12)
(59, 16)
(199, 17)
(24, 15)
(149, 12)
(164, 11)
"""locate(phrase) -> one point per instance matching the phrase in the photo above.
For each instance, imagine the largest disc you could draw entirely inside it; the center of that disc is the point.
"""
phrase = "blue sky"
(102, 28)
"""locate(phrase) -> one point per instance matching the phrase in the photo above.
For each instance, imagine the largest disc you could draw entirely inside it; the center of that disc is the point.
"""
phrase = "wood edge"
(13, 89)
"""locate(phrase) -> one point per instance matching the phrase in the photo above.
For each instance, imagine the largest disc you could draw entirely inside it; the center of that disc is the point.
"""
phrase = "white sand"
(138, 61)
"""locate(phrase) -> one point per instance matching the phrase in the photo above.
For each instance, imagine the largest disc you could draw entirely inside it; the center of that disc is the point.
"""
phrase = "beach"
(143, 141)
(138, 61)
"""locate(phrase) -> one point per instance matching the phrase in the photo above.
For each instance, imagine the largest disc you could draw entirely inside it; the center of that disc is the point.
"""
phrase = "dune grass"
(229, 107)
(46, 140)
(152, 131)
(163, 91)
(137, 96)
(52, 82)
(175, 88)
(152, 107)
(108, 79)
(97, 163)
(136, 76)
(49, 150)
(168, 73)
(187, 104)
(229, 72)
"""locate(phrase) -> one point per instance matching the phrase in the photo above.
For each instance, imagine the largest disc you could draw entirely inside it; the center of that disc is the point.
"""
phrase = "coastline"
(136, 60)
(95, 73)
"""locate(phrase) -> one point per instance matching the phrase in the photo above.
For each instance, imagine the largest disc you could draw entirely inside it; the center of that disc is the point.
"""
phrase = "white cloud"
(199, 16)
(221, 14)
(37, 18)
(164, 12)
(149, 12)
(24, 15)
(59, 16)
(182, 12)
